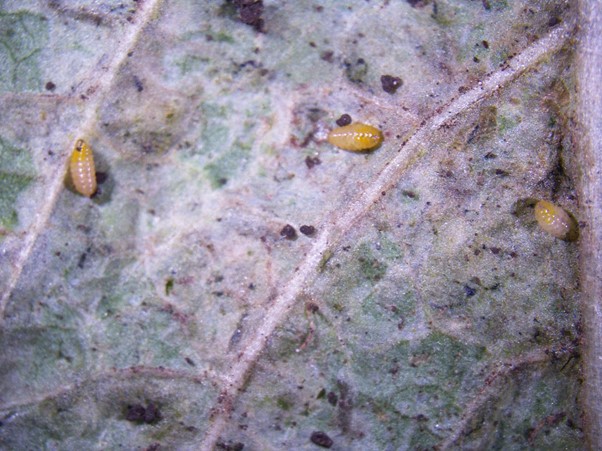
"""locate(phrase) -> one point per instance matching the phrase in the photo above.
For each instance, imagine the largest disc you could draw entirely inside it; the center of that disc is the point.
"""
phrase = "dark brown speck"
(345, 119)
(307, 230)
(288, 232)
(390, 84)
(321, 439)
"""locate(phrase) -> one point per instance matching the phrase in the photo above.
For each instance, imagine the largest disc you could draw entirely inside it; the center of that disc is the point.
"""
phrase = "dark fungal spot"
(137, 413)
(288, 232)
(390, 84)
(321, 439)
(50, 86)
(310, 162)
(345, 119)
(307, 230)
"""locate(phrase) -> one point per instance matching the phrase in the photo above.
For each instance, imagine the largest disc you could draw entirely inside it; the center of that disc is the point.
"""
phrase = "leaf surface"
(176, 309)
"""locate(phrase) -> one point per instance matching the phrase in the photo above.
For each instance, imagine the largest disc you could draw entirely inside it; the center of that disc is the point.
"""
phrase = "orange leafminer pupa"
(554, 220)
(356, 137)
(81, 168)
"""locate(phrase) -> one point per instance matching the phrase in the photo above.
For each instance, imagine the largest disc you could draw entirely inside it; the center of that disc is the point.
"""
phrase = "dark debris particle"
(249, 12)
(356, 71)
(138, 84)
(101, 177)
(189, 361)
(137, 413)
(555, 20)
(169, 283)
(311, 307)
(82, 259)
(312, 161)
(418, 3)
(485, 44)
(327, 55)
(332, 398)
(401, 324)
(315, 114)
(321, 439)
(345, 119)
(288, 232)
(390, 84)
(50, 86)
(307, 230)
(469, 291)
(230, 446)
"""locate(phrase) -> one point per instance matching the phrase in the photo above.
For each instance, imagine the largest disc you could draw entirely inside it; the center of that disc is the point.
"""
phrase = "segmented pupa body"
(356, 137)
(554, 220)
(82, 170)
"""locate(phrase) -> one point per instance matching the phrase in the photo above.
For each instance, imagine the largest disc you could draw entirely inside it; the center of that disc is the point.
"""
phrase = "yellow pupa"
(356, 137)
(82, 170)
(554, 220)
